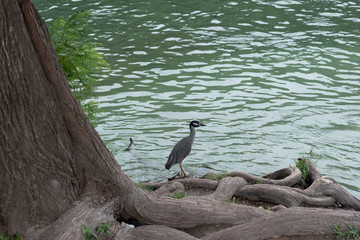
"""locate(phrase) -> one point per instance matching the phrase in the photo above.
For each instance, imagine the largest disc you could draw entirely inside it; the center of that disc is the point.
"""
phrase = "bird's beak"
(201, 124)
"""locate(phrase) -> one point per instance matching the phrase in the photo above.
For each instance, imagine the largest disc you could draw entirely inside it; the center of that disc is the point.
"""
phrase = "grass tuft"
(214, 176)
(304, 164)
(351, 233)
(101, 232)
(178, 195)
(15, 236)
(145, 187)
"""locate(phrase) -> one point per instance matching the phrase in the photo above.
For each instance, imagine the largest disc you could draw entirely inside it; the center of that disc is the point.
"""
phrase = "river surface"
(272, 80)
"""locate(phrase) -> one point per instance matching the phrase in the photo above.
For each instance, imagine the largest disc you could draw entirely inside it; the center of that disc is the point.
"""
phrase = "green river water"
(272, 80)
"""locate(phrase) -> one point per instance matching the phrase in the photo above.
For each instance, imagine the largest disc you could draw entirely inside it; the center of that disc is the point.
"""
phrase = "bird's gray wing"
(180, 151)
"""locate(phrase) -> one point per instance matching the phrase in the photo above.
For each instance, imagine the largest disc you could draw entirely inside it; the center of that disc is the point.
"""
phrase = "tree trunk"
(56, 175)
(50, 154)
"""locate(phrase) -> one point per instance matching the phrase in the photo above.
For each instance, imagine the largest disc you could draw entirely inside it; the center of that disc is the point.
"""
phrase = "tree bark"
(50, 153)
(56, 175)
(292, 223)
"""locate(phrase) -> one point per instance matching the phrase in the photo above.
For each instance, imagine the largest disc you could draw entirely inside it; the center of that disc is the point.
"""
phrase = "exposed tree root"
(285, 196)
(327, 186)
(197, 216)
(284, 177)
(157, 232)
(274, 188)
(200, 215)
(188, 182)
(292, 223)
(87, 212)
(227, 188)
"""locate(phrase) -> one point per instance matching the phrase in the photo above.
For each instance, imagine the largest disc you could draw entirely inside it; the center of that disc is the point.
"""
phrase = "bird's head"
(196, 123)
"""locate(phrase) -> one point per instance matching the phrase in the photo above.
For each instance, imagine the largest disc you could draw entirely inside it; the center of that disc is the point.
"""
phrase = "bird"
(183, 148)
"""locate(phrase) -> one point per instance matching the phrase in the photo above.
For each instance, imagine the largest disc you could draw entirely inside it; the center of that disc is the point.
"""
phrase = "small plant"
(304, 164)
(350, 234)
(88, 233)
(215, 176)
(146, 187)
(178, 195)
(101, 232)
(232, 200)
(104, 229)
(15, 236)
(79, 58)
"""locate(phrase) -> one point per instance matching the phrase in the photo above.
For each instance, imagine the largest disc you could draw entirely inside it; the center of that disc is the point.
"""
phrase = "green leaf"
(88, 233)
(79, 58)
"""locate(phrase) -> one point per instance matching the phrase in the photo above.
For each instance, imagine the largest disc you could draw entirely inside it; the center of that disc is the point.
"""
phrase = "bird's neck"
(192, 131)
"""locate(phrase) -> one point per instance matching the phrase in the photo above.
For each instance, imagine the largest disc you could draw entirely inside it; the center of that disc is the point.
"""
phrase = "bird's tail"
(168, 165)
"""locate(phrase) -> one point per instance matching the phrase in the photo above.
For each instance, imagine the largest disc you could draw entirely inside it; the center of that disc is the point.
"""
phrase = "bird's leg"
(182, 173)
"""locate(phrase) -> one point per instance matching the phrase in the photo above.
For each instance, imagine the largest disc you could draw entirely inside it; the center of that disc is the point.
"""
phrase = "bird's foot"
(179, 176)
(183, 175)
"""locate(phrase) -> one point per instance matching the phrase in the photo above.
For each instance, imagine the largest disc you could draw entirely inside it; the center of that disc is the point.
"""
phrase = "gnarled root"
(276, 188)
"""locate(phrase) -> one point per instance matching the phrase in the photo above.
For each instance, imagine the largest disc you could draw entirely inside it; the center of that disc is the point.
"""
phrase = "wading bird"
(183, 148)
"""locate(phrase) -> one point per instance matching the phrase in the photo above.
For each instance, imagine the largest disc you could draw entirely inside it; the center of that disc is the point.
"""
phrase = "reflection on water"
(271, 79)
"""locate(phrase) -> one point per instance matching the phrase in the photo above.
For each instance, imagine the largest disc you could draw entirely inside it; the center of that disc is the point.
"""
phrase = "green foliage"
(88, 233)
(232, 200)
(101, 232)
(215, 176)
(79, 58)
(104, 229)
(304, 163)
(178, 195)
(146, 187)
(15, 236)
(350, 234)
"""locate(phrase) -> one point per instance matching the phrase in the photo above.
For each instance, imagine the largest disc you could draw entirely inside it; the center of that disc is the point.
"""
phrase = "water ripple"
(271, 79)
